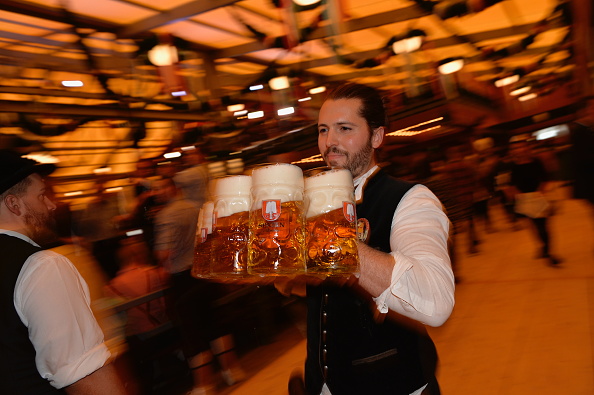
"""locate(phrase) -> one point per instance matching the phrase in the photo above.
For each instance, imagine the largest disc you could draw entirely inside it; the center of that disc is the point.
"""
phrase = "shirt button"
(324, 334)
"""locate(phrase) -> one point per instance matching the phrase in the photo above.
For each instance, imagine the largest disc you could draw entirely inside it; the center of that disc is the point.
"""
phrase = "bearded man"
(50, 341)
(368, 337)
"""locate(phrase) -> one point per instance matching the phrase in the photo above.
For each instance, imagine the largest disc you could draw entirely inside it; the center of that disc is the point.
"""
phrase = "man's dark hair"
(372, 104)
(19, 189)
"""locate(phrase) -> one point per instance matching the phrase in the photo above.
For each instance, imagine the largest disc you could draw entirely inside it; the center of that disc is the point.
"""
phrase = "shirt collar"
(360, 182)
(19, 235)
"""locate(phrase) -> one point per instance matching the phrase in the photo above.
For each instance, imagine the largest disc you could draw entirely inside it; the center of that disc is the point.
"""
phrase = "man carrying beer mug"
(362, 339)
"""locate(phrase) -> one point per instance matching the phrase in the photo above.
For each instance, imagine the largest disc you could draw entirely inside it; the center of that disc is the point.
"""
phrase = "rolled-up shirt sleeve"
(53, 301)
(422, 283)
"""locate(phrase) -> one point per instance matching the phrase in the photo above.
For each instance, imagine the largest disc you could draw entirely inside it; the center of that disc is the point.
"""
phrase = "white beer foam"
(327, 191)
(232, 195)
(206, 211)
(281, 181)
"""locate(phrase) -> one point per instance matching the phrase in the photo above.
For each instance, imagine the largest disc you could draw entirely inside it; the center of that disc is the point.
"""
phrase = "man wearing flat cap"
(50, 341)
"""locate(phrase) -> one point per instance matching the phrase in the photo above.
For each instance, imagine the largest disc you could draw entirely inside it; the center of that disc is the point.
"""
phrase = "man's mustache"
(335, 150)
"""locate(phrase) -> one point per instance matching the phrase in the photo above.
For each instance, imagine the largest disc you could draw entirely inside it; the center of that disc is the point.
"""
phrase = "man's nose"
(331, 138)
(50, 204)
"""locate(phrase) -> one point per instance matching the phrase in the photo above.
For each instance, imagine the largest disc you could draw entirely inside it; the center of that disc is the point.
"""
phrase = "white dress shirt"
(52, 300)
(422, 283)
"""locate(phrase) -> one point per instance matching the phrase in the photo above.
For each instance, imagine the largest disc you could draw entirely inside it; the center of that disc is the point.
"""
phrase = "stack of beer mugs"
(276, 223)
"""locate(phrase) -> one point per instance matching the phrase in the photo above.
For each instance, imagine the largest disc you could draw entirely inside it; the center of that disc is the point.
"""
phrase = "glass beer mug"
(331, 223)
(202, 249)
(277, 231)
(232, 203)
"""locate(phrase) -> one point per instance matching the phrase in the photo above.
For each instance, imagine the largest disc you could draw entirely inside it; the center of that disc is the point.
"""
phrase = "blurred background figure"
(529, 176)
(99, 226)
(146, 328)
(144, 206)
(190, 303)
(483, 163)
(582, 155)
(193, 179)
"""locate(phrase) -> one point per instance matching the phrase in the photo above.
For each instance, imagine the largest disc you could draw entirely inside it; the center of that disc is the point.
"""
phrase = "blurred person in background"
(144, 207)
(193, 180)
(191, 301)
(50, 341)
(99, 225)
(529, 185)
(143, 323)
(369, 338)
(582, 155)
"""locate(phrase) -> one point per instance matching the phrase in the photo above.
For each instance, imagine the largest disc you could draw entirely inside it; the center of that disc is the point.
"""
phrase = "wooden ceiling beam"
(181, 12)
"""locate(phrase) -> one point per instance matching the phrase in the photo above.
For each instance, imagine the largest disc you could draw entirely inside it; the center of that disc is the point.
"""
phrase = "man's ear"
(13, 204)
(377, 137)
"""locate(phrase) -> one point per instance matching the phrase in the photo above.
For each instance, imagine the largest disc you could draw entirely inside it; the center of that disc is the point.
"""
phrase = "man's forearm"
(376, 269)
(103, 381)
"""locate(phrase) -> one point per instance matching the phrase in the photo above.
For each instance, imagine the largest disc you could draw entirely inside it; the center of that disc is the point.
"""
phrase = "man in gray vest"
(369, 338)
(50, 341)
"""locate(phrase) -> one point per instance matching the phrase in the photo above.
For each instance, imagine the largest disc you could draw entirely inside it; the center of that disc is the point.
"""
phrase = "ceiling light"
(304, 99)
(316, 90)
(519, 91)
(256, 87)
(527, 97)
(407, 45)
(278, 83)
(75, 193)
(72, 84)
(507, 80)
(188, 148)
(255, 114)
(179, 93)
(102, 170)
(235, 107)
(409, 42)
(163, 55)
(450, 65)
(42, 158)
(171, 155)
(305, 3)
(240, 113)
(286, 111)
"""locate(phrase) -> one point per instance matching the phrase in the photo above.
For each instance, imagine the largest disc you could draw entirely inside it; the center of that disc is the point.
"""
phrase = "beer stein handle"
(363, 229)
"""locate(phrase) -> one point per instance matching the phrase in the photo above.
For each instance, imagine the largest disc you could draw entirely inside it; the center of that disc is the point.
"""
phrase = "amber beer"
(331, 224)
(202, 249)
(232, 198)
(277, 227)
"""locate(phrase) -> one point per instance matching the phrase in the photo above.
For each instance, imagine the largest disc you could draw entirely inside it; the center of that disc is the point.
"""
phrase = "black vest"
(18, 373)
(346, 347)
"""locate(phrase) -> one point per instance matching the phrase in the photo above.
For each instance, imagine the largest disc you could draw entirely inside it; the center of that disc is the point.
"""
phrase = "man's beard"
(357, 163)
(42, 226)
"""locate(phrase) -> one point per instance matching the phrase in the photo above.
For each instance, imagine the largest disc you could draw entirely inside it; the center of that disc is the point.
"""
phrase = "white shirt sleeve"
(422, 284)
(53, 301)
